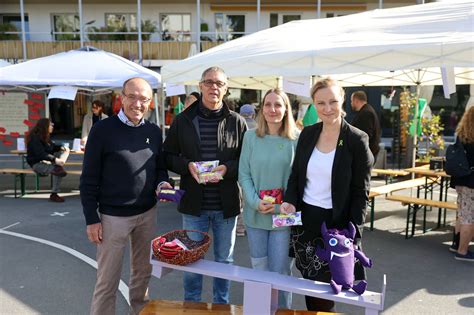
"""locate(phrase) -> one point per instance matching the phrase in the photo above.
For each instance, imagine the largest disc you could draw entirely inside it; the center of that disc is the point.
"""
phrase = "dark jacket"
(366, 119)
(467, 181)
(350, 182)
(182, 146)
(37, 150)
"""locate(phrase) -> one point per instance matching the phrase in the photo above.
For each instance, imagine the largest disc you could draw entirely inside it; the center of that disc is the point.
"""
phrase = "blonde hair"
(288, 127)
(465, 128)
(326, 83)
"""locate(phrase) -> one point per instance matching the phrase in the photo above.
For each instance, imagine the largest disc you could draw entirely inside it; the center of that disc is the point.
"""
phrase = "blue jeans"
(223, 231)
(269, 251)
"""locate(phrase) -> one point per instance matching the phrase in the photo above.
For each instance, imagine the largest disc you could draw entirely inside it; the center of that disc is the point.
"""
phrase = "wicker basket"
(196, 249)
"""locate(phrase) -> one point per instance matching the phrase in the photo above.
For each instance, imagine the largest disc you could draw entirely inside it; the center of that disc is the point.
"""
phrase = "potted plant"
(429, 128)
(8, 27)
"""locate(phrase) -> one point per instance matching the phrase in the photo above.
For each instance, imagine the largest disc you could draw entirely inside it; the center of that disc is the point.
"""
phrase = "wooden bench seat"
(414, 205)
(165, 307)
(389, 174)
(73, 163)
(387, 189)
(20, 174)
(261, 287)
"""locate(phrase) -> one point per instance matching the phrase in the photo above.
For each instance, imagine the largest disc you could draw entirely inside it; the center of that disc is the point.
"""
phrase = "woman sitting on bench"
(45, 157)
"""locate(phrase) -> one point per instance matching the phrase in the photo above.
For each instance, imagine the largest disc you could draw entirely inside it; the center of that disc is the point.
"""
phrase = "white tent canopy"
(87, 68)
(380, 47)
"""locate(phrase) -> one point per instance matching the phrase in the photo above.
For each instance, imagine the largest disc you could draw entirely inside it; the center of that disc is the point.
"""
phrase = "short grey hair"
(213, 69)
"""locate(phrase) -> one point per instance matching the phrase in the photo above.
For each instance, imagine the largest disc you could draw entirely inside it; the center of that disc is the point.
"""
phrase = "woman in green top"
(265, 164)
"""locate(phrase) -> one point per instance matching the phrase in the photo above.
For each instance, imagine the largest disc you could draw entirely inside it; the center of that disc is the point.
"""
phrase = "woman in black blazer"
(329, 182)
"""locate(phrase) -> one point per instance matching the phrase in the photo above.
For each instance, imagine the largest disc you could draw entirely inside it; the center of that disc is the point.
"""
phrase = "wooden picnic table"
(389, 174)
(444, 179)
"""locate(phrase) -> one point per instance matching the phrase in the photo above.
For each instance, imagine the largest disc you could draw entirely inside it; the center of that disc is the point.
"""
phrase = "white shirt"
(318, 179)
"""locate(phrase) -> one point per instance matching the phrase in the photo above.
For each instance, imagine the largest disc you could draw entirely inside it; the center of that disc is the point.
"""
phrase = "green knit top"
(265, 163)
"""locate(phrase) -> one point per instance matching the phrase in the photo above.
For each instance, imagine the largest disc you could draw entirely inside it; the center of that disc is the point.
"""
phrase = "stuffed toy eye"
(347, 242)
(333, 242)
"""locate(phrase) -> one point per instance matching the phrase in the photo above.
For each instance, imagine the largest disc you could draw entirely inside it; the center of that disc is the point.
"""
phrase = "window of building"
(121, 21)
(229, 26)
(66, 26)
(175, 26)
(15, 20)
(277, 19)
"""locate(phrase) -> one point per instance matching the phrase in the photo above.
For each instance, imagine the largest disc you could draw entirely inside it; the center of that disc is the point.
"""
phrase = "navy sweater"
(121, 169)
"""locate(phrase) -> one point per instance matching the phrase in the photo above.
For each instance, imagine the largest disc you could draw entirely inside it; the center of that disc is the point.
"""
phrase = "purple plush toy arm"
(366, 262)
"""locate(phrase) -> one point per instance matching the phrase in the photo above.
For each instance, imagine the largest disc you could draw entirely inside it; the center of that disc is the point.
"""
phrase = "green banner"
(310, 117)
(417, 120)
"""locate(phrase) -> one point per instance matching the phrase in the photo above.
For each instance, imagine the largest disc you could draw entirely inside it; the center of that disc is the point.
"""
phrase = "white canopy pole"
(380, 4)
(198, 23)
(319, 9)
(23, 35)
(81, 29)
(139, 28)
(258, 15)
(157, 107)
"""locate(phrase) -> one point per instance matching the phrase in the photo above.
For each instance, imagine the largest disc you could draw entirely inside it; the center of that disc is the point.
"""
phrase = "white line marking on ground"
(60, 214)
(7, 227)
(123, 288)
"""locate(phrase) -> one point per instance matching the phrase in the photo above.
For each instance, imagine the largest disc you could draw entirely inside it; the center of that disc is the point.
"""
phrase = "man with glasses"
(206, 131)
(123, 170)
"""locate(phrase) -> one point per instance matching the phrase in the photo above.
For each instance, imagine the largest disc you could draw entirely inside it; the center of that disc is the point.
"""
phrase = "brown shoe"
(58, 171)
(54, 197)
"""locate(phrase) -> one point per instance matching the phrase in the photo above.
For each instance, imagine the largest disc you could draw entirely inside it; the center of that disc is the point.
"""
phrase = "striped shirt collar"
(123, 118)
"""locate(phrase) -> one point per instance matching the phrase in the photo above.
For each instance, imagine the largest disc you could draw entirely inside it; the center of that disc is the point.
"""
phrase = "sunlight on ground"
(10, 305)
(429, 302)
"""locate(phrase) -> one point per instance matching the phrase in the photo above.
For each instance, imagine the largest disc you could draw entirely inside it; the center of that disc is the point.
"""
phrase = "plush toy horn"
(324, 230)
(352, 230)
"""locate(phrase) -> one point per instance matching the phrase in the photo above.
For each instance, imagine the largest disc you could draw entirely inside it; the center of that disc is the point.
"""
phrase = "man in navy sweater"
(122, 171)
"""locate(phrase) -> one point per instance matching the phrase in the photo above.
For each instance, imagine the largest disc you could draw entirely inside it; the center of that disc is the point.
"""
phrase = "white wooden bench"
(414, 205)
(261, 287)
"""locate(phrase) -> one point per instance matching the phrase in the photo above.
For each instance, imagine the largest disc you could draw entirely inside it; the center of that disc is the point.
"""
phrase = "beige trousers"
(139, 230)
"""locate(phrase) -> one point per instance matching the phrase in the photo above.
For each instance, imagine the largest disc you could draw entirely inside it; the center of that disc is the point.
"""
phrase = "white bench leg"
(371, 311)
(259, 298)
(159, 271)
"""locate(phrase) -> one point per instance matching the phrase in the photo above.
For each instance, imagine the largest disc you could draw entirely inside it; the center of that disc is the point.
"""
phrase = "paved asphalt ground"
(48, 265)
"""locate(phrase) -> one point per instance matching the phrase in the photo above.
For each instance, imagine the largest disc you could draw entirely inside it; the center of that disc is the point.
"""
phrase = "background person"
(366, 119)
(248, 112)
(464, 230)
(206, 131)
(91, 119)
(329, 182)
(265, 163)
(45, 157)
(191, 98)
(123, 165)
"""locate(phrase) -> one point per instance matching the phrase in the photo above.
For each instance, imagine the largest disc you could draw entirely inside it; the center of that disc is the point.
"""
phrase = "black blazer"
(351, 169)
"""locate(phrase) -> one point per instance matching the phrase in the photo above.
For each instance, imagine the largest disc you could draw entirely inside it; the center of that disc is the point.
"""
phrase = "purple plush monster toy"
(339, 252)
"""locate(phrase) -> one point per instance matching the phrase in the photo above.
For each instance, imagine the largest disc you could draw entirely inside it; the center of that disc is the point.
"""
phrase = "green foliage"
(431, 127)
(8, 27)
(147, 27)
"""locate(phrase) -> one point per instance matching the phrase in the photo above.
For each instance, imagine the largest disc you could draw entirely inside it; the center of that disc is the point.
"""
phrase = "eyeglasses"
(210, 83)
(134, 98)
